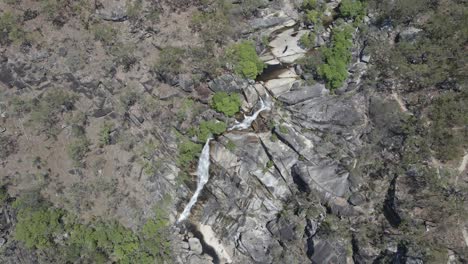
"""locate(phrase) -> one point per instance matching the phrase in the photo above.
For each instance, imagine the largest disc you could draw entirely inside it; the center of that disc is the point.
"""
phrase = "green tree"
(336, 58)
(227, 103)
(210, 127)
(245, 59)
(352, 8)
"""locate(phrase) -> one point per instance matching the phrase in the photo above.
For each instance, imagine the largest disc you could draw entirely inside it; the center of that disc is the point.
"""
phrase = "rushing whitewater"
(203, 176)
(247, 122)
(204, 161)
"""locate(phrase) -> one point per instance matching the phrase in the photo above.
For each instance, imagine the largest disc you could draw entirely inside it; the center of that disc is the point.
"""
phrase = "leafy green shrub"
(229, 104)
(104, 134)
(312, 16)
(307, 40)
(170, 60)
(336, 57)
(78, 149)
(352, 8)
(309, 4)
(11, 29)
(39, 224)
(245, 59)
(36, 227)
(208, 128)
(188, 152)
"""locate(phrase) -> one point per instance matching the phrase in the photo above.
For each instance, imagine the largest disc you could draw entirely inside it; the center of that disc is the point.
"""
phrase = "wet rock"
(195, 245)
(112, 10)
(251, 96)
(228, 83)
(304, 93)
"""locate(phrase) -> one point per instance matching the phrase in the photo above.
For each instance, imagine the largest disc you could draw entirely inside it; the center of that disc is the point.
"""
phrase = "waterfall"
(204, 161)
(203, 175)
(247, 122)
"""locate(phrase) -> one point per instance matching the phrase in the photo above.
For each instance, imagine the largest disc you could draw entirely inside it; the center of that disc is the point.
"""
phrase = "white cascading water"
(203, 176)
(247, 122)
(203, 168)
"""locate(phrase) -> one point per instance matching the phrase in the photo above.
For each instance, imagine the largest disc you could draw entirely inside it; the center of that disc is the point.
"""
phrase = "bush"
(245, 59)
(214, 24)
(208, 128)
(307, 40)
(188, 152)
(39, 225)
(170, 60)
(36, 227)
(336, 58)
(78, 149)
(104, 33)
(309, 4)
(229, 104)
(104, 134)
(45, 110)
(312, 17)
(352, 9)
(11, 30)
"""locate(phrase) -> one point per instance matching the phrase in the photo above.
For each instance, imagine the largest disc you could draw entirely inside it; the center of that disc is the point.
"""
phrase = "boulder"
(326, 178)
(195, 245)
(328, 251)
(228, 83)
(279, 86)
(285, 47)
(304, 93)
(112, 10)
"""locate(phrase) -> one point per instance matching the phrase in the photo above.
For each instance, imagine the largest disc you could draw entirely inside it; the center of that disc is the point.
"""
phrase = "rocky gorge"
(108, 112)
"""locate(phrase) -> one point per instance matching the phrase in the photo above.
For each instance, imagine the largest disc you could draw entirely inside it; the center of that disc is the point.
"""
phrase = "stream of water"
(247, 122)
(203, 176)
(203, 168)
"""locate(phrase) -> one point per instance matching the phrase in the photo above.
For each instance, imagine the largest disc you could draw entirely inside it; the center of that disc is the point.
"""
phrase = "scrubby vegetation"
(308, 40)
(208, 128)
(188, 152)
(44, 227)
(78, 149)
(226, 103)
(245, 59)
(46, 110)
(11, 30)
(170, 62)
(336, 57)
(354, 9)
